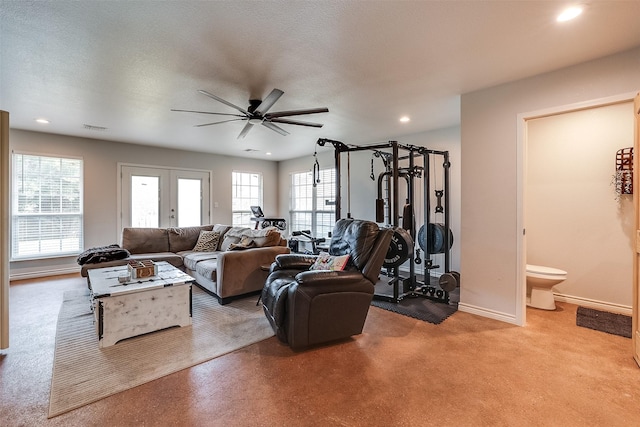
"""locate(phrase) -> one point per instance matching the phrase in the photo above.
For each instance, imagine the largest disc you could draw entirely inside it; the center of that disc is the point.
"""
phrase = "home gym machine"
(433, 238)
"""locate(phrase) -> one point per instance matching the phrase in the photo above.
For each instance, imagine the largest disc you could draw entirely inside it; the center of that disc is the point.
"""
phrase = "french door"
(162, 197)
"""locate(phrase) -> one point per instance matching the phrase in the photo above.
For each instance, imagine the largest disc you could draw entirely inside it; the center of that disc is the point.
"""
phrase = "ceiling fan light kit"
(257, 113)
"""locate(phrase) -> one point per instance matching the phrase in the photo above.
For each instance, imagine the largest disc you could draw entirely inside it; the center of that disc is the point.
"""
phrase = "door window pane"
(145, 202)
(189, 202)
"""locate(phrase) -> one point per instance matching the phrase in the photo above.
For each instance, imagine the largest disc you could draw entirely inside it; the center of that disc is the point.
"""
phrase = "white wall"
(572, 217)
(490, 187)
(364, 190)
(100, 184)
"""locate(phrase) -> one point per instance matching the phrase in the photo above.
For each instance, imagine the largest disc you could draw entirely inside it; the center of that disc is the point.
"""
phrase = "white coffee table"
(139, 306)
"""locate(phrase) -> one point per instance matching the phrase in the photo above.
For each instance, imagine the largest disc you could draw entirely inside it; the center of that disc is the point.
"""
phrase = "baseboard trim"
(485, 312)
(43, 273)
(591, 303)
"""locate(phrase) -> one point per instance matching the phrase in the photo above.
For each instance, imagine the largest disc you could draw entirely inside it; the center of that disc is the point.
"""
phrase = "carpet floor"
(84, 373)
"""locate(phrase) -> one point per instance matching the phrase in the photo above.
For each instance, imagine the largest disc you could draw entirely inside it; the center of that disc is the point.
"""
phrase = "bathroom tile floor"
(467, 371)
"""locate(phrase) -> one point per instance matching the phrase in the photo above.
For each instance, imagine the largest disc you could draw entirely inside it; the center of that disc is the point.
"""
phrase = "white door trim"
(521, 152)
(206, 197)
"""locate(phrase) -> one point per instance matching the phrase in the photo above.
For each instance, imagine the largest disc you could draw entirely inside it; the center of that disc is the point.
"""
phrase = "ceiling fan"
(257, 113)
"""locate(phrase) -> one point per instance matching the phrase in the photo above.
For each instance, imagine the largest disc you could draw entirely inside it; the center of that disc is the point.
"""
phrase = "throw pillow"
(330, 262)
(266, 237)
(232, 236)
(207, 241)
(245, 243)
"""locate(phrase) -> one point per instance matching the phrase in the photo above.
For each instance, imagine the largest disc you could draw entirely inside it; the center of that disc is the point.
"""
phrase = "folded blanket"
(102, 254)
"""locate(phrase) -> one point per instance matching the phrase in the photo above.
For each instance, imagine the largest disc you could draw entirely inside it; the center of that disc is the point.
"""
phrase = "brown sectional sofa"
(226, 273)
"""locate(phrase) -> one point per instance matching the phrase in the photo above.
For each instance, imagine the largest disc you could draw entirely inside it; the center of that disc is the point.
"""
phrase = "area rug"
(84, 373)
(612, 323)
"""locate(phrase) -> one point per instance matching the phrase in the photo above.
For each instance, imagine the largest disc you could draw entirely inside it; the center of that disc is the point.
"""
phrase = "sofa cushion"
(145, 240)
(208, 269)
(222, 229)
(207, 242)
(191, 259)
(185, 238)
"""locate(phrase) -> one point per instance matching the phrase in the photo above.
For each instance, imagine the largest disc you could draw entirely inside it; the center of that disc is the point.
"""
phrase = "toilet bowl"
(540, 280)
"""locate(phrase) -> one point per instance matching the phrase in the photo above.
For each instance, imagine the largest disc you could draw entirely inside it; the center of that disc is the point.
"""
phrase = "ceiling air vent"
(91, 127)
(251, 150)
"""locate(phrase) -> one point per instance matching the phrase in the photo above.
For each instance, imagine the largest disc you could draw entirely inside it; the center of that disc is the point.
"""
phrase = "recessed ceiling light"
(404, 119)
(268, 153)
(569, 13)
(43, 121)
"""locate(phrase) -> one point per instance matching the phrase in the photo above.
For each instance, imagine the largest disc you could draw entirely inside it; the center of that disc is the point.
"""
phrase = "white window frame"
(240, 209)
(316, 211)
(75, 245)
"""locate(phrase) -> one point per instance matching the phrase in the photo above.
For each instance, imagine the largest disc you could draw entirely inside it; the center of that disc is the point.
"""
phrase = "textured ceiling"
(124, 65)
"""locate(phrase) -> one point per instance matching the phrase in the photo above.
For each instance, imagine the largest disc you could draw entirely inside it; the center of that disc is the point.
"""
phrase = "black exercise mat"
(611, 323)
(418, 307)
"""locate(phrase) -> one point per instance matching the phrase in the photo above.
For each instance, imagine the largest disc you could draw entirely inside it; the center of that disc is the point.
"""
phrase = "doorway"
(163, 197)
(528, 226)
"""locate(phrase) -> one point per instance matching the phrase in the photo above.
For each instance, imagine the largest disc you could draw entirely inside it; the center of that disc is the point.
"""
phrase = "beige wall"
(491, 209)
(100, 184)
(572, 217)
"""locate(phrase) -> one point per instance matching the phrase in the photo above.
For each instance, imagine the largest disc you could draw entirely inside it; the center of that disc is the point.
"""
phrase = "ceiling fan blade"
(217, 98)
(215, 123)
(207, 112)
(296, 112)
(268, 101)
(245, 130)
(275, 128)
(296, 122)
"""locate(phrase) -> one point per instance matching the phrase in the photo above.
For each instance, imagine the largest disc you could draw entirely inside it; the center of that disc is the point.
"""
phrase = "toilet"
(540, 280)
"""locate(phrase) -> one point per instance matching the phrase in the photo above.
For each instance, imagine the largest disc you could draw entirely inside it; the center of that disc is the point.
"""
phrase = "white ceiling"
(124, 65)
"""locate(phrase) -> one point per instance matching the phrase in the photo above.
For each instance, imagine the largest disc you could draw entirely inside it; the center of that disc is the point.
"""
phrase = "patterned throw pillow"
(330, 262)
(207, 241)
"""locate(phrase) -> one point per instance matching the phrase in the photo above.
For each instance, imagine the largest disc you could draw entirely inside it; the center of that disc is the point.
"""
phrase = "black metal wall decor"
(623, 179)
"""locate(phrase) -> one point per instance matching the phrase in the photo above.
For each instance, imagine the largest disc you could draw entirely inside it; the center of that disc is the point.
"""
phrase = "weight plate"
(436, 238)
(457, 276)
(400, 249)
(448, 282)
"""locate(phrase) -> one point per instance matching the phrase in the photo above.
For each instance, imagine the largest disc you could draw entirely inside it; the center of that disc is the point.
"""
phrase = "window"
(46, 215)
(313, 208)
(246, 191)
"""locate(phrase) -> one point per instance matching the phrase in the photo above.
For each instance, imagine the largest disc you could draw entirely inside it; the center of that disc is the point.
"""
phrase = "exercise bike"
(294, 244)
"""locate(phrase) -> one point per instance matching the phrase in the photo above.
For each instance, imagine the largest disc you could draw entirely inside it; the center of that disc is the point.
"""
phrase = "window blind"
(46, 218)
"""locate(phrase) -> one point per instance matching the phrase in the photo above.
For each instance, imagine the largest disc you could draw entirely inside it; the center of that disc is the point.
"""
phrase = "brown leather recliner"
(307, 307)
